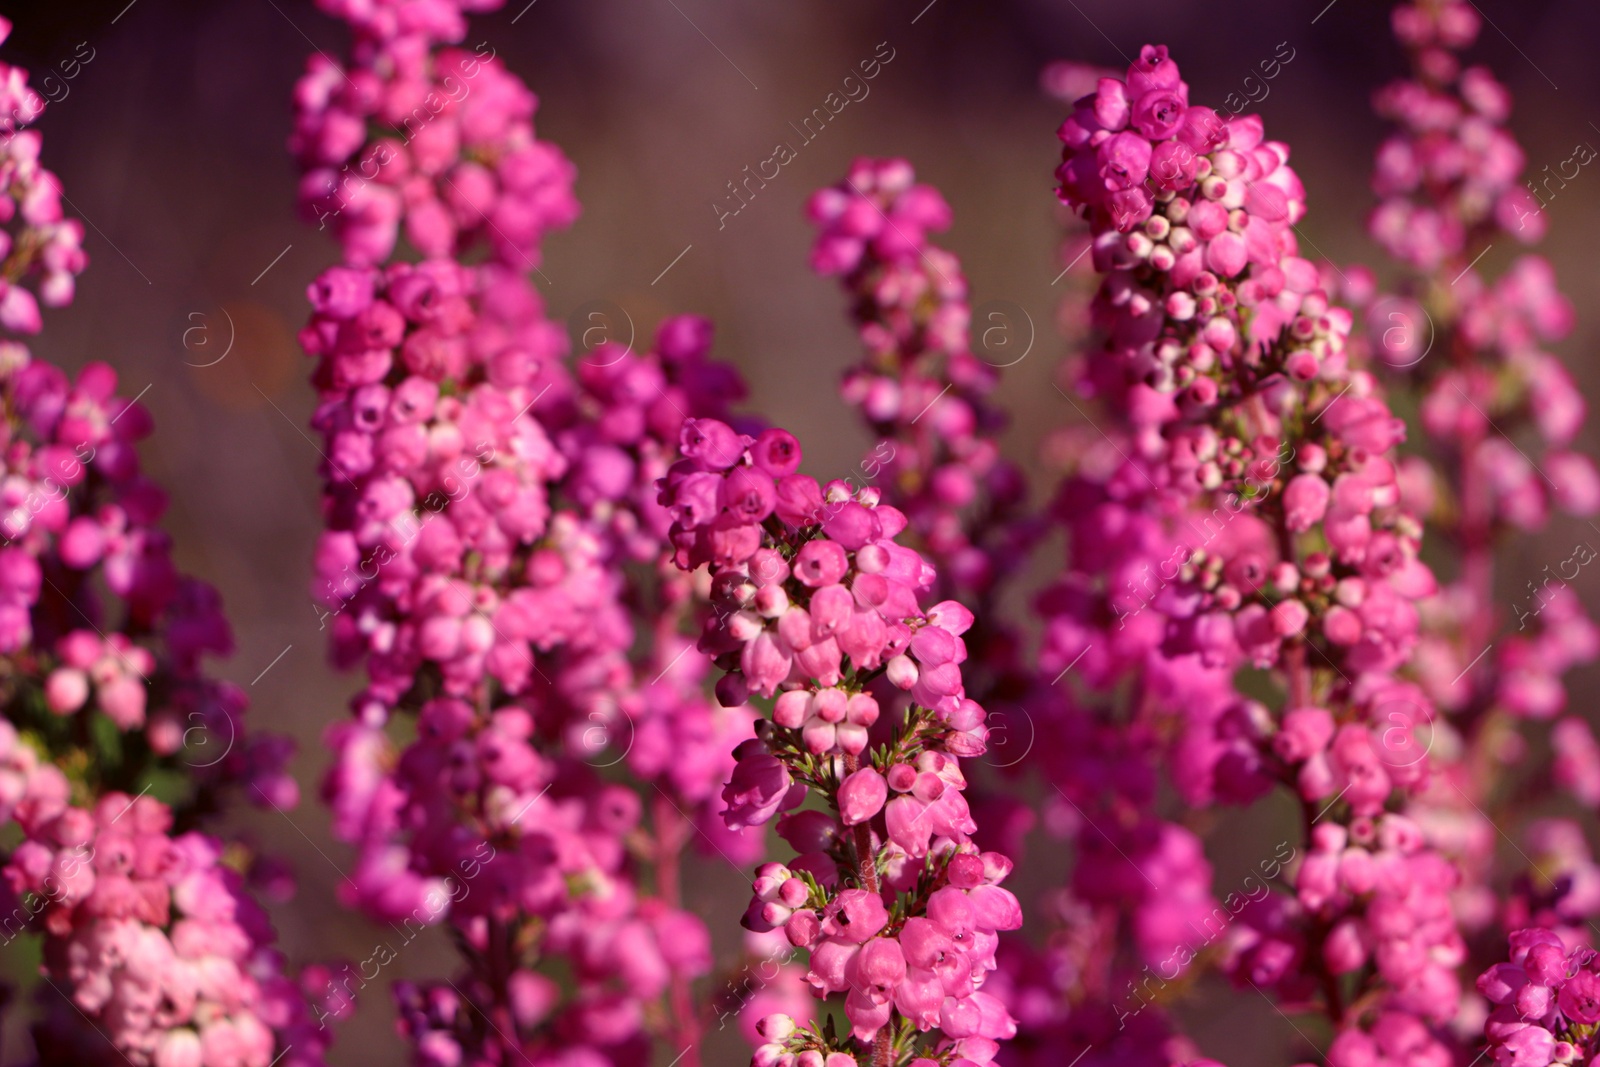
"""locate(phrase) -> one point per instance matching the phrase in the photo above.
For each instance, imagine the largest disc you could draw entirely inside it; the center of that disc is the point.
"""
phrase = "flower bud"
(803, 929)
(791, 708)
(861, 796)
(901, 672)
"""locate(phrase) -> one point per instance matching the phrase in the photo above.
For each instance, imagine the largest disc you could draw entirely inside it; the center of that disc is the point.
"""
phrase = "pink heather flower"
(861, 796)
(498, 514)
(1451, 184)
(1305, 501)
(711, 443)
(1243, 443)
(1545, 987)
(777, 453)
(922, 386)
(1577, 765)
(1580, 998)
(851, 603)
(493, 514)
(100, 625)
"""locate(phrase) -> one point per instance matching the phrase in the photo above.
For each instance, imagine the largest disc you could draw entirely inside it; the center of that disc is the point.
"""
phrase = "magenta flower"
(537, 561)
(849, 604)
(758, 788)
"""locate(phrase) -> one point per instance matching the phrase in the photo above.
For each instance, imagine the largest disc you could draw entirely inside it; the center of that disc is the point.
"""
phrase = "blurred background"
(170, 144)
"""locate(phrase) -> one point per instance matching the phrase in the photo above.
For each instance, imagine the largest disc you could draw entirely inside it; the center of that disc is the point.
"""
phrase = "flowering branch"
(116, 744)
(1255, 464)
(818, 607)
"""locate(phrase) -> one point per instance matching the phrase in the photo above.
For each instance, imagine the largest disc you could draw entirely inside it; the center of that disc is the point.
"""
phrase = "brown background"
(170, 146)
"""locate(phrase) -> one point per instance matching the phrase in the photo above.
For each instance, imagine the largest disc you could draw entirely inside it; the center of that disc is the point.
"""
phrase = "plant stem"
(498, 963)
(671, 833)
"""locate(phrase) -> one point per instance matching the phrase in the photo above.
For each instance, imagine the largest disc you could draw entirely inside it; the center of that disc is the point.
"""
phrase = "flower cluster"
(1248, 512)
(474, 563)
(517, 544)
(921, 389)
(151, 939)
(156, 937)
(1451, 167)
(78, 512)
(1546, 1002)
(1476, 352)
(817, 605)
(600, 616)
(456, 163)
(1502, 414)
(492, 530)
(41, 252)
(1231, 368)
(1409, 930)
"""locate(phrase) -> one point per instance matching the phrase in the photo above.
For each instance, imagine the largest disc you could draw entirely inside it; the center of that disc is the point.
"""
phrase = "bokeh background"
(170, 143)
